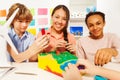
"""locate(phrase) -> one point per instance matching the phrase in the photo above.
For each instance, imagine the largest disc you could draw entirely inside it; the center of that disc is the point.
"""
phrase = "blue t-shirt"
(22, 43)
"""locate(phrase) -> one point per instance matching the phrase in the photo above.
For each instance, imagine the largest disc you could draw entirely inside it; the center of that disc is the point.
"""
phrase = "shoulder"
(30, 35)
(84, 38)
(71, 38)
(70, 35)
(111, 35)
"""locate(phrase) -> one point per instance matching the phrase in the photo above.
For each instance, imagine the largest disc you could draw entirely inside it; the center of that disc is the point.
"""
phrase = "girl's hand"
(104, 56)
(70, 47)
(60, 43)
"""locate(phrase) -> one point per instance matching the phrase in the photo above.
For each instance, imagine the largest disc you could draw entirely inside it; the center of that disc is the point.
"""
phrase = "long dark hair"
(67, 17)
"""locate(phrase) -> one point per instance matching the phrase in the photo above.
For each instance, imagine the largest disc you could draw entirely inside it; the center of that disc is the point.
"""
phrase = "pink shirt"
(53, 40)
(87, 47)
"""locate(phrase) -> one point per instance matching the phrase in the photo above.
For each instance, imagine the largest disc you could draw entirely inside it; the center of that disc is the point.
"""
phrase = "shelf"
(77, 19)
(77, 37)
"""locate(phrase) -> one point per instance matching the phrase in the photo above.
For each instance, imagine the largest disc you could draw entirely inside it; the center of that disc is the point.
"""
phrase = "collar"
(14, 34)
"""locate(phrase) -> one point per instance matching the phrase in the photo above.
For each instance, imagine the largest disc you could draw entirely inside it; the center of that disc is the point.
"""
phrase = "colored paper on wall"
(3, 13)
(32, 22)
(32, 30)
(42, 21)
(2, 22)
(32, 10)
(42, 11)
(55, 63)
(51, 9)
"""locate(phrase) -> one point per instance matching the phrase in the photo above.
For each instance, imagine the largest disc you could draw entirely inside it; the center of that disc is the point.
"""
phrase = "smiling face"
(95, 24)
(59, 20)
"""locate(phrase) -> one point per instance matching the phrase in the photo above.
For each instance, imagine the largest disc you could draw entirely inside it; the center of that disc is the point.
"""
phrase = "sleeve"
(71, 39)
(116, 45)
(32, 39)
(79, 50)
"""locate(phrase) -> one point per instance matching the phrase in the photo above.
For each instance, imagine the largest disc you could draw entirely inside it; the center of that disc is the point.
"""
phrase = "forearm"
(110, 74)
(34, 58)
(21, 56)
(115, 52)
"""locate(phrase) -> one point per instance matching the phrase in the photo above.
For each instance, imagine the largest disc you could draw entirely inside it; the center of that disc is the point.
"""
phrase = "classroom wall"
(40, 9)
(110, 7)
(112, 10)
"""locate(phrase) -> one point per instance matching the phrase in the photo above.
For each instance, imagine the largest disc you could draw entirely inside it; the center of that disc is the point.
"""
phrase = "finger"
(63, 73)
(108, 59)
(69, 65)
(100, 58)
(97, 57)
(62, 41)
(82, 71)
(45, 39)
(39, 38)
(103, 61)
(66, 68)
(68, 44)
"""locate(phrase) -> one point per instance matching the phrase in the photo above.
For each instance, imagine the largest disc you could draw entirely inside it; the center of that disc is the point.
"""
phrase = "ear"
(104, 24)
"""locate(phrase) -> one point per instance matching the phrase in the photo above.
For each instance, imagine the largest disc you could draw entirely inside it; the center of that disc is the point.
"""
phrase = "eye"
(65, 19)
(28, 21)
(98, 23)
(57, 17)
(20, 21)
(90, 25)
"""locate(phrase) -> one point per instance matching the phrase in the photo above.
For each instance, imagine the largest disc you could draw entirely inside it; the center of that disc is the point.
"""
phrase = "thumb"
(82, 72)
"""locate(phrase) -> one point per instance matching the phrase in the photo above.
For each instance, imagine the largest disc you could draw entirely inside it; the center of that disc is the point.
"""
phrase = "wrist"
(115, 52)
(98, 70)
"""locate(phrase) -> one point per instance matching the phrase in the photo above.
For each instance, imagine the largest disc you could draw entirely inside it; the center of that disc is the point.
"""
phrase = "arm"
(95, 70)
(105, 55)
(34, 49)
(116, 45)
(80, 51)
(110, 74)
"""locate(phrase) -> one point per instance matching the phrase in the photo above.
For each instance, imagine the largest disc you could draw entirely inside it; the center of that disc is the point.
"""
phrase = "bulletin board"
(40, 9)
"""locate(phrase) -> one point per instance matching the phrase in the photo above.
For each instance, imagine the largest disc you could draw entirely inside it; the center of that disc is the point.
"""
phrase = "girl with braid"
(60, 39)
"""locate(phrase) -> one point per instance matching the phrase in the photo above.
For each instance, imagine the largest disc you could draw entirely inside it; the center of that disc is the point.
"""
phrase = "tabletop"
(30, 71)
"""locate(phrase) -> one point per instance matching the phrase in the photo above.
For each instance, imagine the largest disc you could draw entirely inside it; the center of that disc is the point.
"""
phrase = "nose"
(95, 27)
(60, 20)
(25, 24)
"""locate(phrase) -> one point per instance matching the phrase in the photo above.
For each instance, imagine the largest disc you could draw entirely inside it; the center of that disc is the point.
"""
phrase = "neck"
(96, 37)
(55, 31)
(20, 34)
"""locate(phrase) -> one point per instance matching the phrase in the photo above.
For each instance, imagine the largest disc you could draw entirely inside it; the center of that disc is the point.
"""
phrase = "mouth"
(96, 31)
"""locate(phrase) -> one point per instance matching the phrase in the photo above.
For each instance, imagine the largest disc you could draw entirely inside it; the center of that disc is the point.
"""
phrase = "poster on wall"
(76, 30)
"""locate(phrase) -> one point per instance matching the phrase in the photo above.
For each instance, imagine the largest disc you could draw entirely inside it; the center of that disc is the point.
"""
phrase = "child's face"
(95, 25)
(20, 26)
(59, 20)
